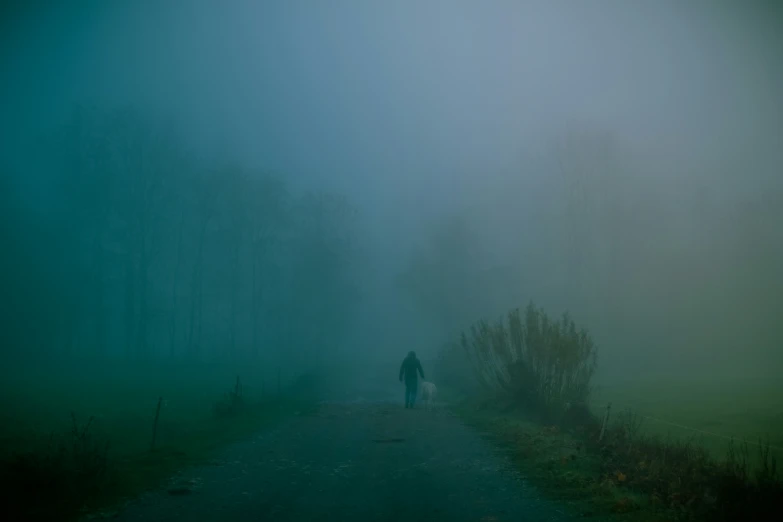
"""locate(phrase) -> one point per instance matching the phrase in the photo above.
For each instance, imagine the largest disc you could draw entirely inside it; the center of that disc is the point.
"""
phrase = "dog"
(428, 392)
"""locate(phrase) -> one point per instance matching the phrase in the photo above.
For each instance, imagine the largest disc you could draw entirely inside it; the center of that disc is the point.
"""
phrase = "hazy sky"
(399, 99)
(416, 108)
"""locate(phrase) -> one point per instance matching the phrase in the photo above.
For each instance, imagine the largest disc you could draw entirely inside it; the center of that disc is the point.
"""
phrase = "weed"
(233, 402)
(63, 476)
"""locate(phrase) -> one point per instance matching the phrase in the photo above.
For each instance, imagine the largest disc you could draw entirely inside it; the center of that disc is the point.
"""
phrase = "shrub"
(453, 371)
(682, 477)
(742, 495)
(232, 403)
(65, 475)
(545, 365)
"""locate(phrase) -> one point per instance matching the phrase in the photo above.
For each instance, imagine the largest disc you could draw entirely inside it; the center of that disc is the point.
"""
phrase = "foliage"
(63, 475)
(451, 370)
(629, 475)
(148, 251)
(446, 279)
(53, 468)
(681, 476)
(232, 403)
(545, 365)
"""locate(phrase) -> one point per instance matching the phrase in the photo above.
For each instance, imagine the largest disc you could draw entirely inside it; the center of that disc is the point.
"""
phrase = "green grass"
(37, 407)
(720, 409)
(603, 481)
(559, 466)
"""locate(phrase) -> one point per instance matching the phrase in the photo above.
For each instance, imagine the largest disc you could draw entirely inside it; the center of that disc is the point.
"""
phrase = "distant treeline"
(150, 253)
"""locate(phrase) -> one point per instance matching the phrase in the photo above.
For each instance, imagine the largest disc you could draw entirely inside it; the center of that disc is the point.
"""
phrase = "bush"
(680, 475)
(545, 365)
(453, 371)
(741, 495)
(232, 403)
(308, 387)
(63, 476)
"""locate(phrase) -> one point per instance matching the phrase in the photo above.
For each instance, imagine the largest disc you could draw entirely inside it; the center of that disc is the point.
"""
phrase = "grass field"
(710, 411)
(39, 406)
(623, 479)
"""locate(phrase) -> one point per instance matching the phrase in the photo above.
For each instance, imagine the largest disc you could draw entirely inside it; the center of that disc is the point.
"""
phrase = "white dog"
(428, 392)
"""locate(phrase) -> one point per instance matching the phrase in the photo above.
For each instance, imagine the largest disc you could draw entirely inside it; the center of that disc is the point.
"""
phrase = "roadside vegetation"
(79, 444)
(530, 388)
(144, 280)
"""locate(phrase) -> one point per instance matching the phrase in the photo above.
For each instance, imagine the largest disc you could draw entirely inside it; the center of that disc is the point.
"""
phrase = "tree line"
(148, 252)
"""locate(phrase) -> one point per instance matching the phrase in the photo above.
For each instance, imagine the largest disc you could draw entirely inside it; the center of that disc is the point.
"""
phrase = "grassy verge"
(75, 443)
(558, 464)
(628, 476)
(711, 410)
(544, 367)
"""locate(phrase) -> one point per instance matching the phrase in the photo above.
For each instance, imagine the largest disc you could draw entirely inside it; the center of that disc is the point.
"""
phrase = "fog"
(436, 163)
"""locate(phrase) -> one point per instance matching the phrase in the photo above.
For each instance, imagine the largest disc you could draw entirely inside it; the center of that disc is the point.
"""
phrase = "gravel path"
(352, 462)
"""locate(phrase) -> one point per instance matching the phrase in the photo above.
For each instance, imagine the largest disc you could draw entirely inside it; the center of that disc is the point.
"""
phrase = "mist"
(223, 217)
(621, 162)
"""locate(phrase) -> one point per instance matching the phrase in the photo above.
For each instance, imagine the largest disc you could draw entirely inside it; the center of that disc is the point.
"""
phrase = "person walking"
(410, 370)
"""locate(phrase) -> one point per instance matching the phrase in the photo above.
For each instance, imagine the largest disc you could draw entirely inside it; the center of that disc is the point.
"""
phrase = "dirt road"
(353, 462)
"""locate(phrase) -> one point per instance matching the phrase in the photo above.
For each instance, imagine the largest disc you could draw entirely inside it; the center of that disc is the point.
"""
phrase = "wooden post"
(606, 420)
(155, 425)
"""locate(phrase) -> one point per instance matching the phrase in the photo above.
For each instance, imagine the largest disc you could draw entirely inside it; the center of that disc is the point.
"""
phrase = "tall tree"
(447, 277)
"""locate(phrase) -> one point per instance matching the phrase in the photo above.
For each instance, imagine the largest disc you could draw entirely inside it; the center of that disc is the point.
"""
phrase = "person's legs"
(407, 395)
(412, 386)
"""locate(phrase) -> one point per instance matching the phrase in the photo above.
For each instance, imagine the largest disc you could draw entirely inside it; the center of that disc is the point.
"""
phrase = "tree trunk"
(174, 287)
(234, 292)
(141, 331)
(254, 303)
(196, 303)
(193, 298)
(130, 304)
(99, 283)
(99, 301)
(70, 318)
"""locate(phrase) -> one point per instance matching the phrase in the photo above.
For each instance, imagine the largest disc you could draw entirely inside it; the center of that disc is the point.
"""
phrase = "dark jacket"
(410, 366)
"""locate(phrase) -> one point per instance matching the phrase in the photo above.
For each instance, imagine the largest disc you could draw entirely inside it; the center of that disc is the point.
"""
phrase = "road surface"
(352, 462)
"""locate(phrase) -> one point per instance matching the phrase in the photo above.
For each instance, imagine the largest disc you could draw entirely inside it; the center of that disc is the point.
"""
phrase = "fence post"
(606, 420)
